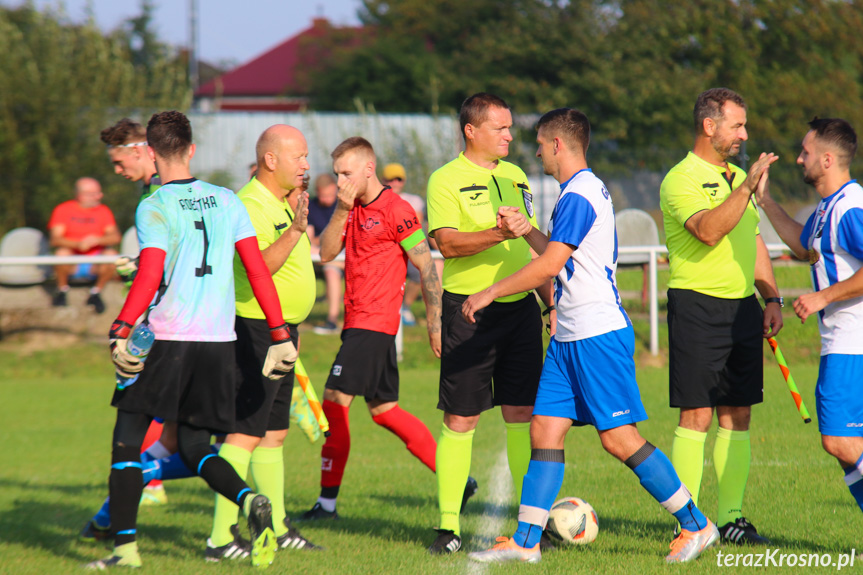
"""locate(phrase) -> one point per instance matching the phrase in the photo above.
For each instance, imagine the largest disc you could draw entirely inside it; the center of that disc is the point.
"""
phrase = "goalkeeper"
(188, 231)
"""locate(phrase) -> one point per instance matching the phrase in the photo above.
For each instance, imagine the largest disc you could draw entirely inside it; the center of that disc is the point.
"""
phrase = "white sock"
(158, 451)
(328, 504)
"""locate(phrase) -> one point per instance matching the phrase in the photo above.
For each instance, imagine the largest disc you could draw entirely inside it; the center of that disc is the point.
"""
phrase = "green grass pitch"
(55, 427)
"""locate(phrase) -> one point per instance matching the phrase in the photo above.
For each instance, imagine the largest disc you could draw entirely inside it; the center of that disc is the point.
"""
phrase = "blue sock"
(854, 481)
(657, 476)
(541, 485)
(103, 516)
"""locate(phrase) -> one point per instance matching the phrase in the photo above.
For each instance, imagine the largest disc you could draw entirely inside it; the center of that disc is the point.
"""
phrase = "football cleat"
(470, 489)
(446, 542)
(318, 512)
(689, 544)
(124, 556)
(546, 543)
(261, 531)
(294, 540)
(92, 532)
(154, 496)
(507, 550)
(741, 531)
(236, 549)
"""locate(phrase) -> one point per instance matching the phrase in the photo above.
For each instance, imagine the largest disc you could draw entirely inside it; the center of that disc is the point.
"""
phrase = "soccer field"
(56, 453)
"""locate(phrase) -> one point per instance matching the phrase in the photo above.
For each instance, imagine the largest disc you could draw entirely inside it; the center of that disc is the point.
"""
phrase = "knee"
(832, 445)
(696, 419)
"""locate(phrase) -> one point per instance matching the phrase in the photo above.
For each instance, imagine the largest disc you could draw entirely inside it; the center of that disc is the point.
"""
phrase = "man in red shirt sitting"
(83, 226)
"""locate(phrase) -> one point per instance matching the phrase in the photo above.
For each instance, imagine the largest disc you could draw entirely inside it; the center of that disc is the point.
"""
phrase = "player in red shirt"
(83, 226)
(379, 232)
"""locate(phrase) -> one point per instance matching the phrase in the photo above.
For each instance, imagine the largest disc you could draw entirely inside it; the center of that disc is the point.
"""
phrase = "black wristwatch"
(779, 300)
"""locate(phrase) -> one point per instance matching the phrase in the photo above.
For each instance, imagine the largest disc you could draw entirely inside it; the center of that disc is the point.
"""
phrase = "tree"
(634, 66)
(60, 85)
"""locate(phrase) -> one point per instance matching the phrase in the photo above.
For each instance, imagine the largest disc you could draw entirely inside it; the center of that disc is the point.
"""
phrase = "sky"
(226, 33)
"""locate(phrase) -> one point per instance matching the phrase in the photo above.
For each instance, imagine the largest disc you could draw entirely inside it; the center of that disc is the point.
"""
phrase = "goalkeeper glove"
(127, 364)
(282, 354)
(127, 269)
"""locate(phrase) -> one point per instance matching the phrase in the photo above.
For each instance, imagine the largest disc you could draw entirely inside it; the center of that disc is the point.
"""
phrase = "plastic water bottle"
(139, 343)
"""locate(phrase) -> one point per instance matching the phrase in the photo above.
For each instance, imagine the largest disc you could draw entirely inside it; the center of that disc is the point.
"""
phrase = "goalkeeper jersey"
(196, 224)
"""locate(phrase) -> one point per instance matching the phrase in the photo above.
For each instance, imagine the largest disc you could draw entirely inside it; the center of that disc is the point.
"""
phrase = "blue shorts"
(591, 381)
(839, 395)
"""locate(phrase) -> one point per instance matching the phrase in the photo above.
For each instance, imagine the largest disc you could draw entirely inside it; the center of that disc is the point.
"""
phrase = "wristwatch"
(779, 300)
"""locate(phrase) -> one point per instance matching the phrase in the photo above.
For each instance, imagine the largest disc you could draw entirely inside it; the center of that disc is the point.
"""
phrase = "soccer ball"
(572, 520)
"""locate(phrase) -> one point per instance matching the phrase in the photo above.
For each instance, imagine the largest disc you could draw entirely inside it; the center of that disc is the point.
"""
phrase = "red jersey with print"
(377, 237)
(82, 222)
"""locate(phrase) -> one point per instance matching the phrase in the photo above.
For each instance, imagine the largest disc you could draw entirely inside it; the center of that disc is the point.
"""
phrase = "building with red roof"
(276, 81)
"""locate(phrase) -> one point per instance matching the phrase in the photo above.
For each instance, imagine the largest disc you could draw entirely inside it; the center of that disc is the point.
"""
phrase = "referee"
(479, 208)
(715, 323)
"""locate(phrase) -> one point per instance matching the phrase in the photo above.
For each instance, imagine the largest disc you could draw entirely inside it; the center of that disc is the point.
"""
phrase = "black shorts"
(189, 382)
(496, 361)
(262, 404)
(366, 365)
(715, 350)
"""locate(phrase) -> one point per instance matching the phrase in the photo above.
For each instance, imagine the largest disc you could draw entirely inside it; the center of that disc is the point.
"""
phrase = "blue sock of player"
(103, 516)
(854, 481)
(541, 485)
(154, 452)
(171, 467)
(657, 476)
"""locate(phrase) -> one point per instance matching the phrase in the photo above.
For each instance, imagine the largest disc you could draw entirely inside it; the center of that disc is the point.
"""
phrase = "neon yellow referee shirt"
(295, 280)
(726, 270)
(466, 197)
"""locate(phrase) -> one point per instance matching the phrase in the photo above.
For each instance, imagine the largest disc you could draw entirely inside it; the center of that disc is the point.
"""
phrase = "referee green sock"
(452, 461)
(518, 453)
(226, 511)
(687, 456)
(731, 457)
(268, 471)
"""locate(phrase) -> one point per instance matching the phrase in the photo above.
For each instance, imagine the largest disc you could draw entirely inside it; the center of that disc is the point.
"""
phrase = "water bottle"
(139, 343)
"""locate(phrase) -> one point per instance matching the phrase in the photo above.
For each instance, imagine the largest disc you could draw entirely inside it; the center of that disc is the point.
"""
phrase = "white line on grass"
(500, 490)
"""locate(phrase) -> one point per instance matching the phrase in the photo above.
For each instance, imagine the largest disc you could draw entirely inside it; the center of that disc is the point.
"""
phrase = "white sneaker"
(507, 550)
(689, 544)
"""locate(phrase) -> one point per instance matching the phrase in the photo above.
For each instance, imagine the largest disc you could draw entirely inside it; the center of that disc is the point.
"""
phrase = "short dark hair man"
(479, 208)
(832, 241)
(189, 231)
(716, 326)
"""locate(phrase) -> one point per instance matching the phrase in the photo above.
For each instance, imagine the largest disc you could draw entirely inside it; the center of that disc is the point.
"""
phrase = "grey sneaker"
(507, 550)
(689, 544)
(326, 328)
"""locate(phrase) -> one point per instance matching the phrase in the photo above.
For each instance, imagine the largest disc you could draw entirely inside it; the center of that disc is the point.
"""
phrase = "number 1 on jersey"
(204, 269)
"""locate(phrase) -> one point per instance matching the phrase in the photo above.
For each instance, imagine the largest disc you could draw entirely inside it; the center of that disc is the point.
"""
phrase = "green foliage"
(63, 83)
(634, 66)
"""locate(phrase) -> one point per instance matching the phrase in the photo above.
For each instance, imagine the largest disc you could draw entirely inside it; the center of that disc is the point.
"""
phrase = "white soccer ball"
(572, 520)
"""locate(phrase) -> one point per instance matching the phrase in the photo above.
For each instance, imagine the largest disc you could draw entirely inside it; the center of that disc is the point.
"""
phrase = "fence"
(653, 291)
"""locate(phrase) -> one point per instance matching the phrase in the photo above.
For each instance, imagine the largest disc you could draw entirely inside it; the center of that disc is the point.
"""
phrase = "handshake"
(512, 223)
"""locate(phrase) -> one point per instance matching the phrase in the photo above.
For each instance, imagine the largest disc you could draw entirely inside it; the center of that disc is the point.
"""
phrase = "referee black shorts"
(262, 404)
(495, 361)
(715, 350)
(366, 365)
(189, 382)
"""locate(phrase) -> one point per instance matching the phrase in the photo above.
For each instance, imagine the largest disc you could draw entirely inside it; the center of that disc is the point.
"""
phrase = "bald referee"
(480, 207)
